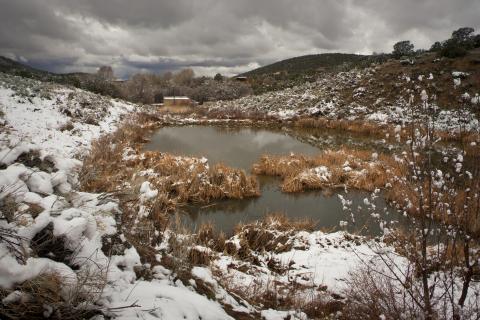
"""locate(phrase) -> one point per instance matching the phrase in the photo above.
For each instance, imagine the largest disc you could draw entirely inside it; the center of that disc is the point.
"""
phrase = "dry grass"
(189, 180)
(272, 234)
(207, 236)
(345, 167)
(47, 296)
(115, 165)
(8, 208)
(13, 243)
(385, 131)
(235, 114)
(355, 126)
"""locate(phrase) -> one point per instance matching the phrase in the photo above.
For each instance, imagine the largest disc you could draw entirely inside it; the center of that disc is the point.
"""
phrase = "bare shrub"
(373, 295)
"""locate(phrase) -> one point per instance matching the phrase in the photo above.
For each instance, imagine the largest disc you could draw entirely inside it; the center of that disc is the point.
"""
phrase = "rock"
(336, 296)
(64, 188)
(32, 159)
(142, 272)
(44, 244)
(40, 182)
(59, 177)
(114, 244)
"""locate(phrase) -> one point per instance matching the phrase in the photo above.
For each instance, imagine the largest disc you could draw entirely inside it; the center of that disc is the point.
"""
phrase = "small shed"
(241, 78)
(177, 101)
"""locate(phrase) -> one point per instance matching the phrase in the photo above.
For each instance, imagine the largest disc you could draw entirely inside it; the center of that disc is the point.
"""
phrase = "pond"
(240, 148)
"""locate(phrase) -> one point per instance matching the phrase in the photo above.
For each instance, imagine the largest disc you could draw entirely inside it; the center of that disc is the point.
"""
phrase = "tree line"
(461, 40)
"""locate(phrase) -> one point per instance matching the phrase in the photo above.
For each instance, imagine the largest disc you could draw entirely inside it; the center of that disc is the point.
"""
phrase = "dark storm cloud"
(215, 35)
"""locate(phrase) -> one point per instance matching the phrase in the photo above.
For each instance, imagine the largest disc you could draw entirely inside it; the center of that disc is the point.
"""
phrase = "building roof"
(176, 98)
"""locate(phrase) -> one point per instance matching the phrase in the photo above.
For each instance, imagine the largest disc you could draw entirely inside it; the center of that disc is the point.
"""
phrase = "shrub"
(453, 49)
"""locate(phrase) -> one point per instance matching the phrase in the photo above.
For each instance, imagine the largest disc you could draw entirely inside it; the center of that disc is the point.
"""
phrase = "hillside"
(377, 93)
(308, 63)
(85, 81)
(287, 73)
(16, 68)
(55, 237)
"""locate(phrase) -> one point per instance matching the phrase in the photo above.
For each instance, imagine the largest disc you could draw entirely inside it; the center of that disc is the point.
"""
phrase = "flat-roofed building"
(177, 101)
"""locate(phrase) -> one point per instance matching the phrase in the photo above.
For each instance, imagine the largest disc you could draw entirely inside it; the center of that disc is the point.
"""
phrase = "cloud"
(215, 35)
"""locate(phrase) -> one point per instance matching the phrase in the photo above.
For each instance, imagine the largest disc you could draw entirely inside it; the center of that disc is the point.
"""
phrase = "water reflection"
(241, 148)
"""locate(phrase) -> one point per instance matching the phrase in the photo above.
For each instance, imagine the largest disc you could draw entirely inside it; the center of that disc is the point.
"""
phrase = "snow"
(160, 300)
(378, 116)
(424, 95)
(9, 155)
(459, 74)
(147, 192)
(321, 173)
(82, 219)
(271, 314)
(13, 272)
(320, 259)
(40, 182)
(476, 99)
(325, 100)
(37, 123)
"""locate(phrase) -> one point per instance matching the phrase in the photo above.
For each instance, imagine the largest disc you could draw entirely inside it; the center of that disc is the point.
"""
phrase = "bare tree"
(184, 77)
(105, 73)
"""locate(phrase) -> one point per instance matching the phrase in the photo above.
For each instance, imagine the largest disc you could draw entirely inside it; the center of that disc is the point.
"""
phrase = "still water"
(241, 148)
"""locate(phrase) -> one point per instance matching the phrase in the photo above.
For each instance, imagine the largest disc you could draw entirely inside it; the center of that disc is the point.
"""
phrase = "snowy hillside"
(52, 230)
(378, 94)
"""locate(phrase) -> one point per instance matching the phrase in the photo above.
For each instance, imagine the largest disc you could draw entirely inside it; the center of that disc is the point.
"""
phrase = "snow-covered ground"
(46, 128)
(55, 125)
(326, 98)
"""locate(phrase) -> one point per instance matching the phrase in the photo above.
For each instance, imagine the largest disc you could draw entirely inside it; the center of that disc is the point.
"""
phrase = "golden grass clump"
(358, 169)
(192, 180)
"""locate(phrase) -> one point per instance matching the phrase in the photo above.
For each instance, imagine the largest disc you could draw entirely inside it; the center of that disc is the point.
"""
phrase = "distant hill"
(85, 81)
(294, 71)
(16, 68)
(308, 63)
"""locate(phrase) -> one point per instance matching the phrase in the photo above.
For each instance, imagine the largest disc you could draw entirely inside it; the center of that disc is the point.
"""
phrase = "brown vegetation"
(356, 169)
(272, 234)
(373, 129)
(49, 296)
(369, 128)
(388, 75)
(117, 165)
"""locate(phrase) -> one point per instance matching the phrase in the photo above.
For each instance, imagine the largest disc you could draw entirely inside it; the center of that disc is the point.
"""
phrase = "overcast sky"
(226, 36)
